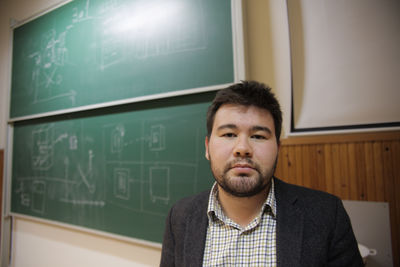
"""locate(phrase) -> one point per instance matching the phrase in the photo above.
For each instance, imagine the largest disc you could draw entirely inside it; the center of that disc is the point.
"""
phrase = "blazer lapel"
(196, 234)
(289, 231)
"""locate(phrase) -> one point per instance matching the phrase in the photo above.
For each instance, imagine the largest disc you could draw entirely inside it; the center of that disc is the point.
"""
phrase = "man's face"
(242, 149)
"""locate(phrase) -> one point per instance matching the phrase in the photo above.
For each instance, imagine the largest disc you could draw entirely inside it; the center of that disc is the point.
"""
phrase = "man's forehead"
(251, 115)
(251, 109)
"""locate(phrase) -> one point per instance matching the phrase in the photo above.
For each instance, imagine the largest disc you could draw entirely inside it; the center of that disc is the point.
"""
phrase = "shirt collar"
(215, 211)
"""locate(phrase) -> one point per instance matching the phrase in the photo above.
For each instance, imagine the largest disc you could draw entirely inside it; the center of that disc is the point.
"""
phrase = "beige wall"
(41, 244)
(267, 49)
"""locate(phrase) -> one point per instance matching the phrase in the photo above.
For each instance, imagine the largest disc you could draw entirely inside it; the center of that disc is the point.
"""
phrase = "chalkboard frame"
(239, 74)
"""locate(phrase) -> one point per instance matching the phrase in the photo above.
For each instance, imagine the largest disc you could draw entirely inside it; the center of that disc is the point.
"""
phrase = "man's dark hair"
(247, 93)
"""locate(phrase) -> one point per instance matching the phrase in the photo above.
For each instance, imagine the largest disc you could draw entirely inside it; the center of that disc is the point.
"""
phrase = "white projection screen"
(345, 57)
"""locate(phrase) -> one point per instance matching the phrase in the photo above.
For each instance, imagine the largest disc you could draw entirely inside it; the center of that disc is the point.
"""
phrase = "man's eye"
(259, 137)
(229, 135)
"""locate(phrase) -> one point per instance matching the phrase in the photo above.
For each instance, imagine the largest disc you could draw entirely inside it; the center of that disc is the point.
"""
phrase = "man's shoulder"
(303, 194)
(191, 204)
(316, 206)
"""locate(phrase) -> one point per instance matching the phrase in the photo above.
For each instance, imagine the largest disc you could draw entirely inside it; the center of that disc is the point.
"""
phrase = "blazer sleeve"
(168, 245)
(343, 249)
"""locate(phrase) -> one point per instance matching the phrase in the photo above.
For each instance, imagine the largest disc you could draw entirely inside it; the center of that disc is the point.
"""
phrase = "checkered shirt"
(228, 244)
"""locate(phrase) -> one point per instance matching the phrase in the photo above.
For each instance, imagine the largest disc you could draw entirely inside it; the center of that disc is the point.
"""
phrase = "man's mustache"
(241, 161)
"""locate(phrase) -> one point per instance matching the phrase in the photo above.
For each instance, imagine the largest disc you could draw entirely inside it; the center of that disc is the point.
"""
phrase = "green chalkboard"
(89, 52)
(117, 169)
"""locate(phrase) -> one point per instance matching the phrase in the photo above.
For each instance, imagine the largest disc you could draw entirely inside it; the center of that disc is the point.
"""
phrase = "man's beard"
(242, 185)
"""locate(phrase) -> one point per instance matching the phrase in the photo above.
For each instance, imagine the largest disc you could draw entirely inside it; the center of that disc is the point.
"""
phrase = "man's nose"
(242, 147)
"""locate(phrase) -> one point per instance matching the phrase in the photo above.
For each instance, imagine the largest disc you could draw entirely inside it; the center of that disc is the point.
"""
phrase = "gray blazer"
(313, 229)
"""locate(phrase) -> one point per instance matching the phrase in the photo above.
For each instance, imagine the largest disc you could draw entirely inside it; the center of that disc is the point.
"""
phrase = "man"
(251, 218)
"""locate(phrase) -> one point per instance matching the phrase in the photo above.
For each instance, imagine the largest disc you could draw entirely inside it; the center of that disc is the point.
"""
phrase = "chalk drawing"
(46, 74)
(88, 174)
(117, 139)
(20, 188)
(157, 138)
(79, 15)
(121, 183)
(49, 60)
(38, 196)
(111, 52)
(25, 199)
(73, 142)
(159, 184)
(119, 161)
(143, 183)
(60, 138)
(98, 203)
(140, 30)
(108, 6)
(42, 152)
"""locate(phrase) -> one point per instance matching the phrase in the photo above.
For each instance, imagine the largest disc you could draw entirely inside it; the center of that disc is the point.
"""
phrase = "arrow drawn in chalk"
(91, 187)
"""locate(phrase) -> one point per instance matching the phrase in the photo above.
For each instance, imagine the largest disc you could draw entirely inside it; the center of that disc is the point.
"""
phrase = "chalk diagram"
(110, 34)
(117, 137)
(50, 59)
(140, 168)
(121, 183)
(46, 75)
(42, 152)
(159, 184)
(157, 138)
(35, 199)
(63, 170)
(138, 163)
(38, 196)
(145, 29)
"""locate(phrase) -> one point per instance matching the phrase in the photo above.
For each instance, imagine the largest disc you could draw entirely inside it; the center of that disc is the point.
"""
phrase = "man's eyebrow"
(227, 126)
(254, 128)
(261, 128)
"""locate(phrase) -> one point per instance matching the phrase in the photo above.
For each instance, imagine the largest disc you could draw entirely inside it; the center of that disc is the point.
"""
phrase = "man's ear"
(206, 144)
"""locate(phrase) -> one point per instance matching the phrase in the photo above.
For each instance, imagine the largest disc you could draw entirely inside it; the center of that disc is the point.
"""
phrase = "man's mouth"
(242, 167)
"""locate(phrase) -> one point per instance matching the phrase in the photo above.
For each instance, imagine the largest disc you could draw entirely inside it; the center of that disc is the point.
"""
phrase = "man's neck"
(242, 210)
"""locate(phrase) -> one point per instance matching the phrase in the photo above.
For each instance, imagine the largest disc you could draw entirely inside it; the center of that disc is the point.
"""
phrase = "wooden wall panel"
(363, 166)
